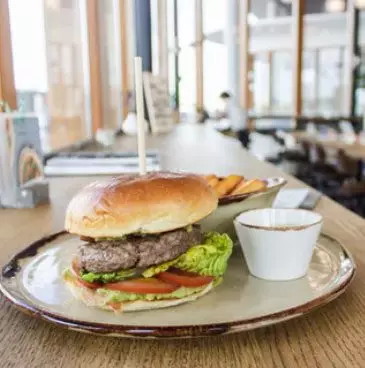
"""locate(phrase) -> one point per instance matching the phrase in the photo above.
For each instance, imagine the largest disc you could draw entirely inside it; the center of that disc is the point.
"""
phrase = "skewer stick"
(140, 115)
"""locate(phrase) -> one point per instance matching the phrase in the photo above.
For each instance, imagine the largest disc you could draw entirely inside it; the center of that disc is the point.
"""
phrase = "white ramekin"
(278, 243)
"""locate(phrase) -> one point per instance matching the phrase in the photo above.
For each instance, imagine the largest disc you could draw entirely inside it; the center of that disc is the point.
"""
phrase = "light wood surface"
(353, 150)
(333, 336)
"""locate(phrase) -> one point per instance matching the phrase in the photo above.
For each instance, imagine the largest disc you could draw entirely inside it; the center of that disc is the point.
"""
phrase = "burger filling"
(137, 251)
(170, 265)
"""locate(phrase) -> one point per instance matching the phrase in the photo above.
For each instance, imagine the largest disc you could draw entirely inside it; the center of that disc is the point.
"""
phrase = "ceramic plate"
(32, 281)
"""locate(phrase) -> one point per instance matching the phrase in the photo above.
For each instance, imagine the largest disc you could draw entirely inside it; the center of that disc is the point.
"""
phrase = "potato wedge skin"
(249, 186)
(226, 185)
(234, 185)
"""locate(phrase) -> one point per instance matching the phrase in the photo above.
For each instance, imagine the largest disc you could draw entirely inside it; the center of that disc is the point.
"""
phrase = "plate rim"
(176, 331)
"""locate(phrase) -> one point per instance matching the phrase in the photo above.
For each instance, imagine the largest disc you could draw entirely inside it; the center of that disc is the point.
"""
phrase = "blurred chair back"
(289, 141)
(264, 146)
(319, 155)
(311, 129)
(346, 127)
(346, 164)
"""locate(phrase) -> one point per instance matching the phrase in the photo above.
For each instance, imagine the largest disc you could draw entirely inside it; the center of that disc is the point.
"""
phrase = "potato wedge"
(249, 186)
(226, 185)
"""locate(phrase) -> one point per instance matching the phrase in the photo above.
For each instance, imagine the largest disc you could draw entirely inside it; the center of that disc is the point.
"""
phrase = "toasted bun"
(151, 203)
(91, 299)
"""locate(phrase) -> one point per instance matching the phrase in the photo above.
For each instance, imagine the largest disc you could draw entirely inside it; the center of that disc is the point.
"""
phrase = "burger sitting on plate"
(142, 245)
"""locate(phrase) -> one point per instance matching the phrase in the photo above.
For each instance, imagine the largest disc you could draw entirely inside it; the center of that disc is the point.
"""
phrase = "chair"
(351, 192)
(293, 157)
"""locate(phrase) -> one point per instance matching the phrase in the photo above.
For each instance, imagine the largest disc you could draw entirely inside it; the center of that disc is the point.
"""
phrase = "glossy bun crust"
(152, 203)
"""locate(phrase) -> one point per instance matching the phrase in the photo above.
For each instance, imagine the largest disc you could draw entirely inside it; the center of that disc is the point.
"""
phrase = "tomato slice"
(183, 278)
(90, 285)
(143, 286)
(115, 305)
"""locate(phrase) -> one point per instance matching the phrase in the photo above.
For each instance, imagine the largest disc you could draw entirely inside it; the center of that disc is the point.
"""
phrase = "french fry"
(226, 185)
(249, 186)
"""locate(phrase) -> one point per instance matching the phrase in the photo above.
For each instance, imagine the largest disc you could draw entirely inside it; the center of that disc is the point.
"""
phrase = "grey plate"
(32, 281)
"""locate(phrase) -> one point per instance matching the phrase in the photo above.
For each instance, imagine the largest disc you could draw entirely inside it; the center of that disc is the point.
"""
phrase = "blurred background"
(203, 47)
(282, 76)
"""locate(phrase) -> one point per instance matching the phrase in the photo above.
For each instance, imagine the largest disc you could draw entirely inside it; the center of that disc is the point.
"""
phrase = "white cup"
(278, 243)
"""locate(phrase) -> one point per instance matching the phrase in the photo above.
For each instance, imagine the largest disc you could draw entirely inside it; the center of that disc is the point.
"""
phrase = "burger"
(141, 246)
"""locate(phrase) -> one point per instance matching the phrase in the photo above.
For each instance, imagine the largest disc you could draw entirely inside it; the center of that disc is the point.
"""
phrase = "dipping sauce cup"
(278, 243)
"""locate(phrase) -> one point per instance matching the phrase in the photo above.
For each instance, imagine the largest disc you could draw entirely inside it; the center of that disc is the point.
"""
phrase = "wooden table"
(353, 150)
(333, 336)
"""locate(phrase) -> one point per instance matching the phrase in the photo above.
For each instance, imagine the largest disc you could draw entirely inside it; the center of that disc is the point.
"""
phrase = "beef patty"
(137, 251)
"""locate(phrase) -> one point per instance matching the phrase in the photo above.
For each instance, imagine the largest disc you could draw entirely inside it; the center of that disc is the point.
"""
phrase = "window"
(325, 29)
(270, 44)
(261, 83)
(110, 63)
(214, 73)
(215, 78)
(173, 51)
(47, 40)
(330, 81)
(359, 83)
(187, 58)
(282, 83)
(187, 81)
(309, 82)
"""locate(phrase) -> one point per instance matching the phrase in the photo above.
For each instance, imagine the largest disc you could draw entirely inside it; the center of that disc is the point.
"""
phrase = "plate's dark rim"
(12, 267)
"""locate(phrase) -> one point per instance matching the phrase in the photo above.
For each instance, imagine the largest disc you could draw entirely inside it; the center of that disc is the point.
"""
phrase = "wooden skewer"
(140, 115)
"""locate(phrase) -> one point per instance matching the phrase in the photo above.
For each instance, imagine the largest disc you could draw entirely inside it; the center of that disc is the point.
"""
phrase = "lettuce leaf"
(154, 270)
(208, 259)
(107, 277)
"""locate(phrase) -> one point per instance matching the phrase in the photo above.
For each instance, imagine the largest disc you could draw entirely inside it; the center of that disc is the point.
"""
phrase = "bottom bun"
(91, 299)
